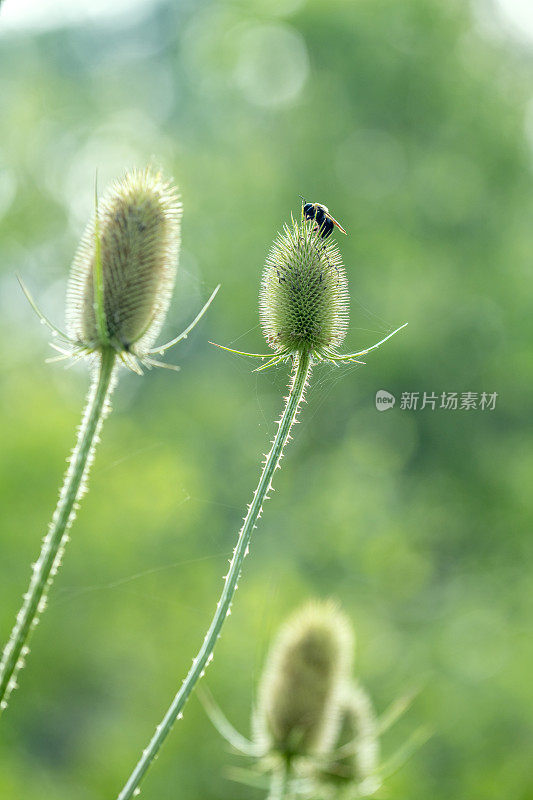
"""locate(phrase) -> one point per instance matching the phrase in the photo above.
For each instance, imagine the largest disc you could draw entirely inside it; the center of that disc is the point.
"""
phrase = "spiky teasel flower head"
(355, 759)
(303, 303)
(123, 273)
(304, 300)
(128, 254)
(309, 662)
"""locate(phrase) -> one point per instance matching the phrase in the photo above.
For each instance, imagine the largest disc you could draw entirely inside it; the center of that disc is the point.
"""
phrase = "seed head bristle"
(133, 243)
(303, 303)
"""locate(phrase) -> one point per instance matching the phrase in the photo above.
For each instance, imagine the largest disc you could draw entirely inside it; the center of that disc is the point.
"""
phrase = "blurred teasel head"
(309, 662)
(303, 303)
(123, 274)
(354, 761)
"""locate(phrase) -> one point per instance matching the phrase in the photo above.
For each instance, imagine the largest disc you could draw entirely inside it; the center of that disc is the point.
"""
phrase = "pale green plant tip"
(44, 319)
(396, 710)
(418, 739)
(272, 363)
(354, 356)
(224, 727)
(240, 352)
(183, 335)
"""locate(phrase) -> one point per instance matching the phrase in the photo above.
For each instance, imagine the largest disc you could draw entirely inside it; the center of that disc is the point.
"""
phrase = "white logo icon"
(384, 400)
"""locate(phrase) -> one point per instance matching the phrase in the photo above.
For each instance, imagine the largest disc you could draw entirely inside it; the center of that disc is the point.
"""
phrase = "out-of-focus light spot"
(371, 164)
(500, 18)
(209, 48)
(222, 50)
(46, 14)
(128, 139)
(154, 89)
(109, 151)
(273, 65)
(518, 16)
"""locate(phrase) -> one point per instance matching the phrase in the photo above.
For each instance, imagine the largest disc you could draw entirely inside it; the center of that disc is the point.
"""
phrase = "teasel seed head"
(308, 664)
(304, 299)
(355, 760)
(303, 303)
(123, 273)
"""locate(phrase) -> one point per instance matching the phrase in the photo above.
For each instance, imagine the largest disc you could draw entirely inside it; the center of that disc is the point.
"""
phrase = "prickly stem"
(301, 373)
(54, 542)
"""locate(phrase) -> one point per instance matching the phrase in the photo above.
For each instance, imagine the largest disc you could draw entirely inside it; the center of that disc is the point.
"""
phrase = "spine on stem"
(74, 486)
(303, 309)
(301, 371)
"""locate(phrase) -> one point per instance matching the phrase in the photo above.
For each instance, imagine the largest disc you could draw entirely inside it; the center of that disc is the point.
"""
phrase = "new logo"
(384, 400)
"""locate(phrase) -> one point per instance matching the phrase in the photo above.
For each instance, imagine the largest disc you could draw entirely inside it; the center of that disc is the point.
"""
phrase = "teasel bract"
(119, 290)
(303, 309)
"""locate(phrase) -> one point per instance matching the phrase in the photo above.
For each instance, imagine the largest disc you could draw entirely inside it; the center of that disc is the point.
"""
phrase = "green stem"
(279, 786)
(300, 375)
(55, 540)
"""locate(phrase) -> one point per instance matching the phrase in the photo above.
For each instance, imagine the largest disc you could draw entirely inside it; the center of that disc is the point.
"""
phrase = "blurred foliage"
(408, 119)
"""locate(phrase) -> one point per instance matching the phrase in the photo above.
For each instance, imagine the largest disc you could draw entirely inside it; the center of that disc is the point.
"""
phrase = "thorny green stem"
(56, 538)
(301, 373)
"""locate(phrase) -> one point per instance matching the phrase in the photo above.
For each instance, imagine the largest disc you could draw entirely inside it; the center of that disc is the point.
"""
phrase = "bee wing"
(337, 224)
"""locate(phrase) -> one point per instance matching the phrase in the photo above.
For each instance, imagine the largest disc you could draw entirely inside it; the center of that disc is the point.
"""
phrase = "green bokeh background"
(409, 118)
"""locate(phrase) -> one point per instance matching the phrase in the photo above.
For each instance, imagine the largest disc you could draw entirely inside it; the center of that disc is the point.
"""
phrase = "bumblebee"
(324, 221)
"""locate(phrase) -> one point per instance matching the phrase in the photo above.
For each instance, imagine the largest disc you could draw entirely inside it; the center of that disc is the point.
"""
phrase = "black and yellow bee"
(320, 213)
